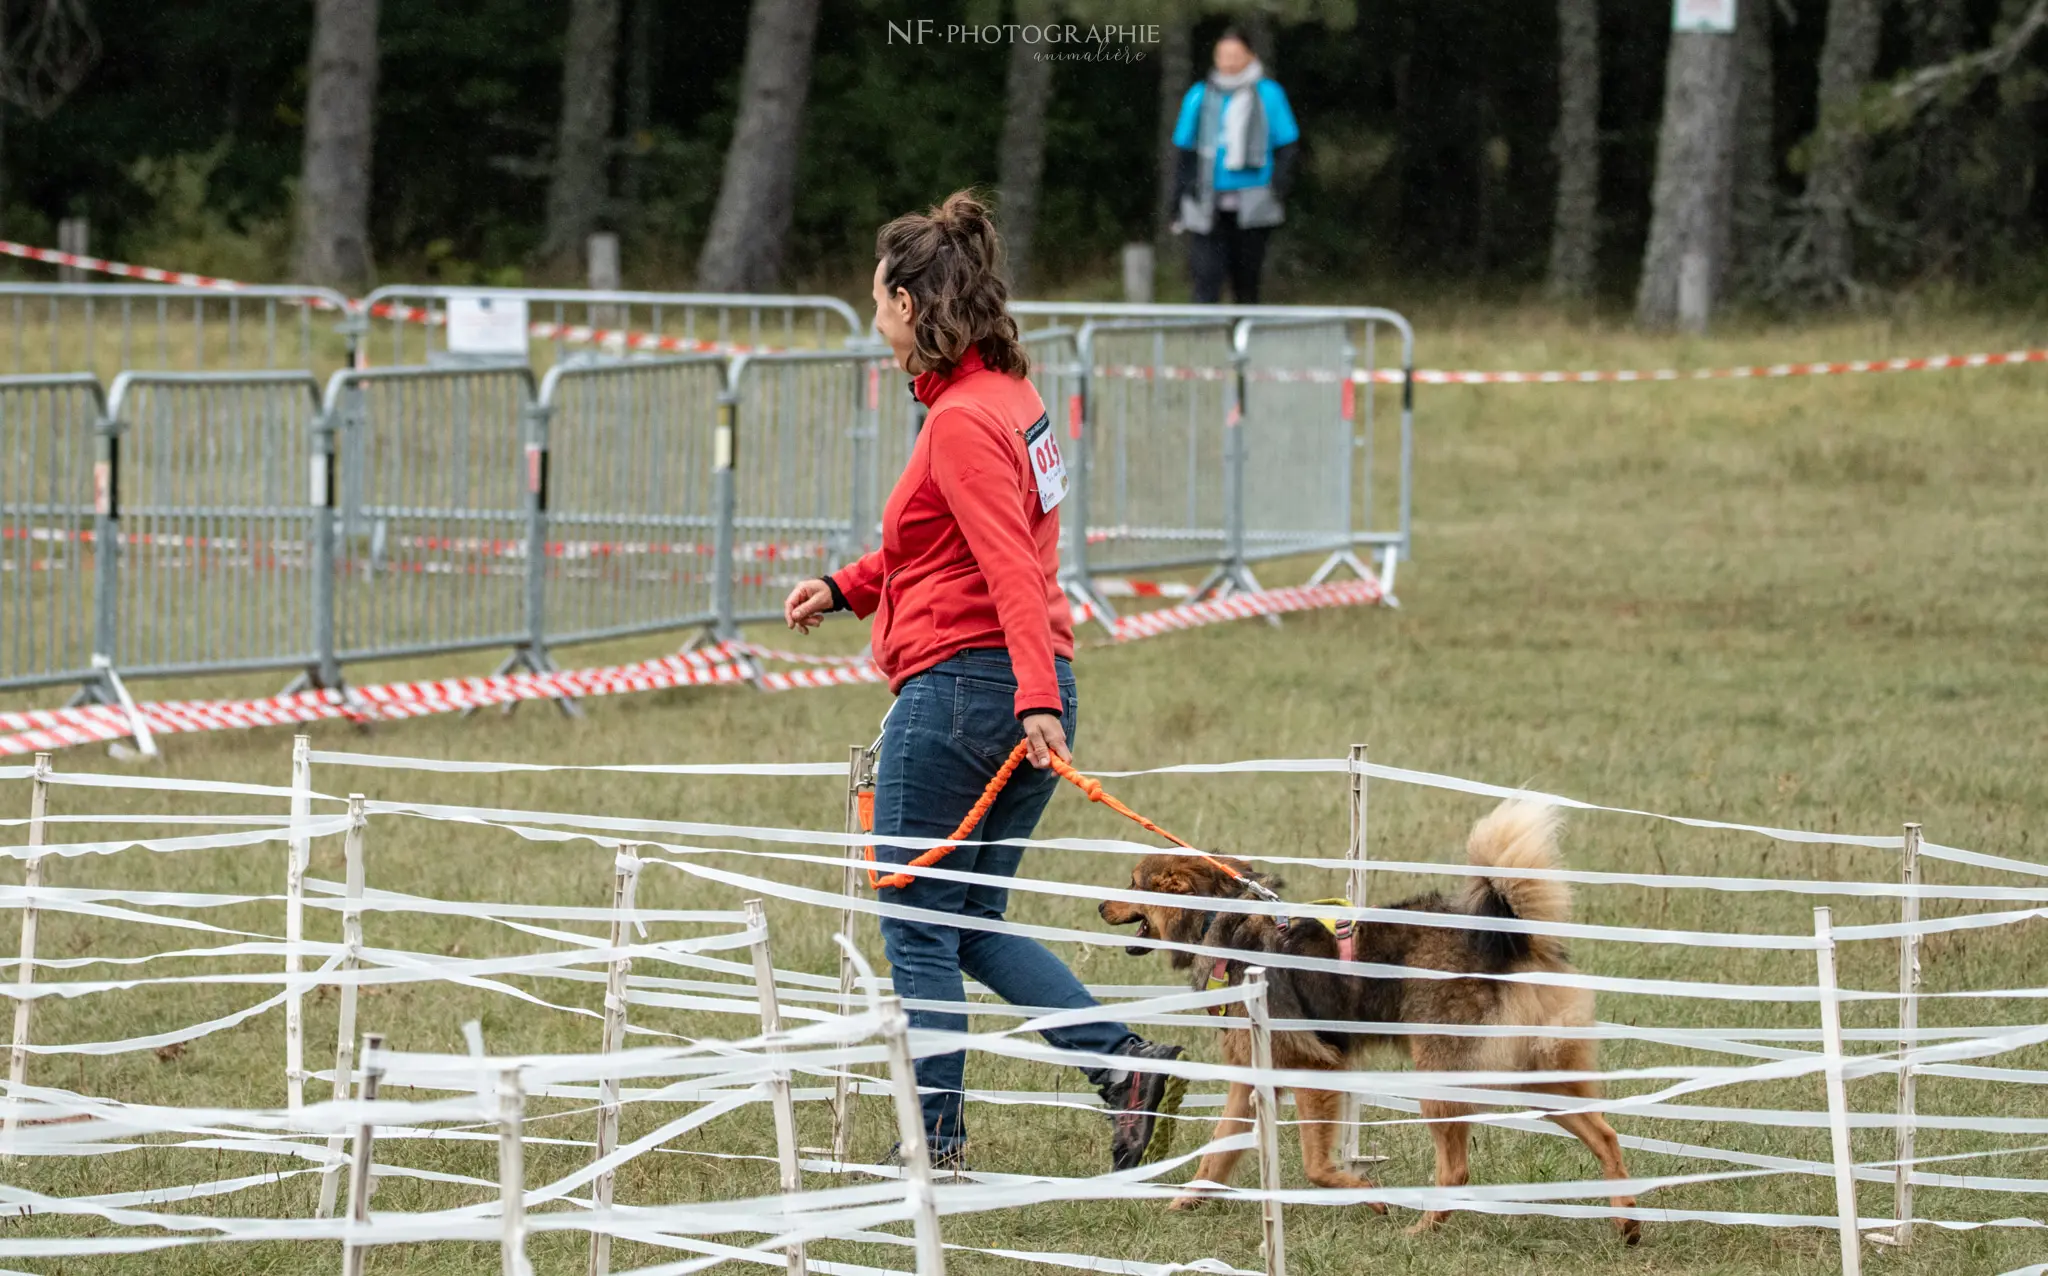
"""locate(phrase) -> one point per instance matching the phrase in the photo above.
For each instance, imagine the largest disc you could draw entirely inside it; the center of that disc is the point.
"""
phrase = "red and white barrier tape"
(1440, 376)
(49, 729)
(1119, 587)
(1930, 363)
(625, 339)
(540, 330)
(1270, 602)
(148, 273)
(45, 729)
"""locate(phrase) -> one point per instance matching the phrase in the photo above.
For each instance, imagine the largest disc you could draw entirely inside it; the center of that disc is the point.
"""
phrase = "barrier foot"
(1234, 578)
(145, 740)
(533, 659)
(311, 679)
(1087, 601)
(1347, 559)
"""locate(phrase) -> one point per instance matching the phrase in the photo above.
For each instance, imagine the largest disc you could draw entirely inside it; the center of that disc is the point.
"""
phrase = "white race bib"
(1047, 466)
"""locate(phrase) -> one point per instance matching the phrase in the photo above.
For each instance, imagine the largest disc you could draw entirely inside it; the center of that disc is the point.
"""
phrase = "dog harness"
(1342, 929)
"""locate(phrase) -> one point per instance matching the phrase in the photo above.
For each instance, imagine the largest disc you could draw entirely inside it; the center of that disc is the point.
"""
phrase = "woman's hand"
(807, 604)
(1048, 739)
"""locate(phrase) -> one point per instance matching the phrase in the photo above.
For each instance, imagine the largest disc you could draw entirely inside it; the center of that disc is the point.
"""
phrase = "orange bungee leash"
(1087, 784)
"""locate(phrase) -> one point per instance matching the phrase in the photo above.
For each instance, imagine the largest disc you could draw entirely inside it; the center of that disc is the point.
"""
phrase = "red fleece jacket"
(968, 558)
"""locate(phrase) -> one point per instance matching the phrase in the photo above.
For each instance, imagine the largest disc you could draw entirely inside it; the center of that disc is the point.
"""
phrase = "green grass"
(1815, 603)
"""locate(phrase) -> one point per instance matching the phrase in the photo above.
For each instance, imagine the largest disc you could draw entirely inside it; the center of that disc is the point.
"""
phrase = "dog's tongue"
(1144, 932)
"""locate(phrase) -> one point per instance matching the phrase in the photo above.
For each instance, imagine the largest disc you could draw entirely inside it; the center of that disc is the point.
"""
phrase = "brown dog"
(1516, 835)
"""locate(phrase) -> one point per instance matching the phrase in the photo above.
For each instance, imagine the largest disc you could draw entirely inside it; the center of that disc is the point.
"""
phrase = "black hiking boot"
(1141, 1105)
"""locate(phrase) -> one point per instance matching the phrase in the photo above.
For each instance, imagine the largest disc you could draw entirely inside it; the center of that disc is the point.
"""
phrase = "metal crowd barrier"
(406, 323)
(1220, 437)
(111, 328)
(801, 441)
(630, 511)
(216, 521)
(434, 526)
(1149, 481)
(49, 556)
(207, 491)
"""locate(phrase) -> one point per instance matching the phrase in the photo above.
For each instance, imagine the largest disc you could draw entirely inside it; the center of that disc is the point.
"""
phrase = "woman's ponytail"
(950, 261)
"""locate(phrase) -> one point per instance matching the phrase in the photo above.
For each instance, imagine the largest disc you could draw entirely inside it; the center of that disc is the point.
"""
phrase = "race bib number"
(1047, 466)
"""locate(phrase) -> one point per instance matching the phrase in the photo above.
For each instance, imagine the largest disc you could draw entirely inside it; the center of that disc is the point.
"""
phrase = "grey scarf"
(1234, 119)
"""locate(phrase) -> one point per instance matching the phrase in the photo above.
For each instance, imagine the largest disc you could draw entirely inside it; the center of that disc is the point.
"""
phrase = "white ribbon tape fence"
(835, 1037)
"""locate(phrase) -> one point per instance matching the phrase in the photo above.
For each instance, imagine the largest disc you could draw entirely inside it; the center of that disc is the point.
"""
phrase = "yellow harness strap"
(1342, 930)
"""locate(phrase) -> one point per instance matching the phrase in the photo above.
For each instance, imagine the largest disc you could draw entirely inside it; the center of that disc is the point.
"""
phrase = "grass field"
(1814, 603)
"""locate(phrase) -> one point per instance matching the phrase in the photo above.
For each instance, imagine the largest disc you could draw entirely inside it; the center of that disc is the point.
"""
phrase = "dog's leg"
(1592, 1129)
(1319, 1110)
(1453, 1168)
(1217, 1166)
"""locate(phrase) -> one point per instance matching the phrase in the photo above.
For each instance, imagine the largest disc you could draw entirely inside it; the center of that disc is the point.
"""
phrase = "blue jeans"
(950, 731)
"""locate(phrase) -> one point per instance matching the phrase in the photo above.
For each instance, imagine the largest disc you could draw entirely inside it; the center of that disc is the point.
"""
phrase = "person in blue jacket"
(1238, 146)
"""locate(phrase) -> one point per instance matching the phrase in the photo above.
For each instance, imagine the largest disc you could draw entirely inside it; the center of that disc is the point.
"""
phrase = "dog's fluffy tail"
(1518, 834)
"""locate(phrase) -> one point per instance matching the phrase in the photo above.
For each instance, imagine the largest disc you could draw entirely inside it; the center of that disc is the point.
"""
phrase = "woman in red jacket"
(974, 633)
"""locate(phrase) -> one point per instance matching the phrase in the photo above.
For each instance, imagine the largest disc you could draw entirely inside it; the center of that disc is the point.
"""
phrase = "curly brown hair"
(949, 260)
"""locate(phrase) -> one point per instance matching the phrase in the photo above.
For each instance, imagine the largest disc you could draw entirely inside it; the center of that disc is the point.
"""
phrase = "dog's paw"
(1428, 1223)
(1631, 1231)
(1188, 1201)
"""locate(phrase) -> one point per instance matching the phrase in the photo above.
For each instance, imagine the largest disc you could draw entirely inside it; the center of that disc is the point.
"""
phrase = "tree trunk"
(1756, 153)
(577, 191)
(2014, 131)
(334, 170)
(1941, 31)
(1021, 164)
(1176, 74)
(1834, 175)
(757, 194)
(639, 103)
(1690, 201)
(1575, 228)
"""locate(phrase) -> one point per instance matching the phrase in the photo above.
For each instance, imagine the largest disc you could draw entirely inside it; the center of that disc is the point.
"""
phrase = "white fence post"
(352, 959)
(917, 1162)
(625, 878)
(360, 1162)
(1139, 269)
(601, 268)
(860, 780)
(298, 851)
(1355, 852)
(1838, 1100)
(74, 236)
(17, 1065)
(512, 1174)
(1266, 1110)
(1909, 1024)
(778, 1084)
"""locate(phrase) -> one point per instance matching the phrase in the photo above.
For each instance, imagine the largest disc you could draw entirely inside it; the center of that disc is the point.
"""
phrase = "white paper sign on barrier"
(479, 324)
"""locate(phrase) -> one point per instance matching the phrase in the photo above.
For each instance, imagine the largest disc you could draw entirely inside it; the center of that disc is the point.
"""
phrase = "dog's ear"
(1173, 880)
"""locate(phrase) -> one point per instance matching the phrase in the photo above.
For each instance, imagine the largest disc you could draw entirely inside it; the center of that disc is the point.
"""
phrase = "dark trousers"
(1228, 249)
(950, 730)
